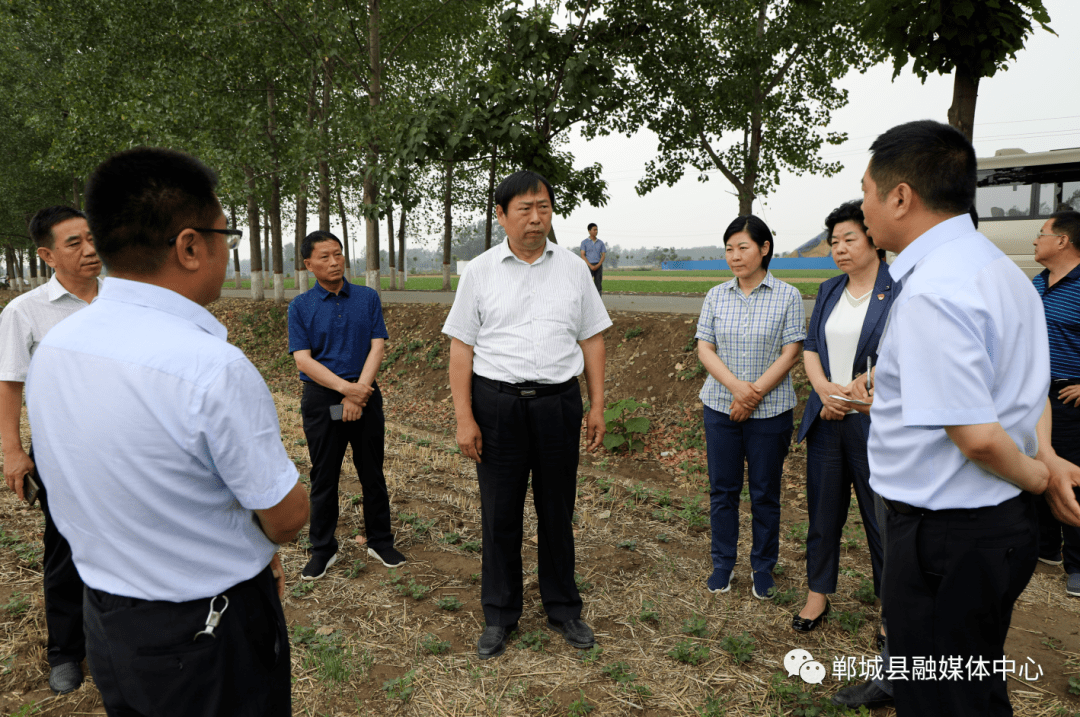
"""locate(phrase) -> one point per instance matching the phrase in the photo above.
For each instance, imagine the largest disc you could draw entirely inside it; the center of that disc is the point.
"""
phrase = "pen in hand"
(869, 377)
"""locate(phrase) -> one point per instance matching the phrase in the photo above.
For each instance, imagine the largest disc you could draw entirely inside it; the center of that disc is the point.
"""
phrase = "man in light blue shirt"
(959, 439)
(594, 251)
(166, 470)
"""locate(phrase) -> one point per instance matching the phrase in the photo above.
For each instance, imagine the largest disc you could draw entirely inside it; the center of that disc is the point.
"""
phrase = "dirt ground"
(370, 641)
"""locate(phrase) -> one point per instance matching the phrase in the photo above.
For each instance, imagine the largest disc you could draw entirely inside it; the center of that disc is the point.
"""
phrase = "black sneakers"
(317, 566)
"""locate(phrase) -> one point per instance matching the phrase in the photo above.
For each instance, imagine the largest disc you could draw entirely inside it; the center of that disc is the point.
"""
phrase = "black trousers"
(147, 663)
(598, 278)
(63, 591)
(953, 577)
(1065, 438)
(520, 435)
(327, 441)
(835, 460)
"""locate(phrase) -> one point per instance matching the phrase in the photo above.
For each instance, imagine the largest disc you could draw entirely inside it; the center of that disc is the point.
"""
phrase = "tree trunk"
(447, 224)
(390, 243)
(371, 216)
(401, 238)
(257, 289)
(965, 94)
(344, 236)
(301, 232)
(76, 200)
(266, 250)
(324, 165)
(490, 200)
(236, 251)
(275, 200)
(33, 271)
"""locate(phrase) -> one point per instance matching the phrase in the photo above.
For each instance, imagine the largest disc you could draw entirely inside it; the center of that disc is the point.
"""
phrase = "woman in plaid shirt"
(749, 336)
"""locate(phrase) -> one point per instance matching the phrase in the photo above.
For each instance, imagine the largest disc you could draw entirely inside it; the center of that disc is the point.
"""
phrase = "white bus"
(1018, 190)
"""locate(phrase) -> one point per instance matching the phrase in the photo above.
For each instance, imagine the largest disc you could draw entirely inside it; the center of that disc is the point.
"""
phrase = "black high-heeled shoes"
(803, 624)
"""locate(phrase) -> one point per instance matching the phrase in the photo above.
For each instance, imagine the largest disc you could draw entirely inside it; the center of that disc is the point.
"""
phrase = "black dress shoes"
(866, 695)
(493, 642)
(804, 624)
(575, 631)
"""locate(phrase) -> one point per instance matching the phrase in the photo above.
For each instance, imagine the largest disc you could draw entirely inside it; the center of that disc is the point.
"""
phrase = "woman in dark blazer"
(845, 327)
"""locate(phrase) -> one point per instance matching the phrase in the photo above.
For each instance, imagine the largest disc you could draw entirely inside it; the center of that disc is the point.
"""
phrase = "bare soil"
(369, 641)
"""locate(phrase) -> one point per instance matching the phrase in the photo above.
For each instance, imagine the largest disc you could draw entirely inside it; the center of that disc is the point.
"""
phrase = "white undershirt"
(842, 331)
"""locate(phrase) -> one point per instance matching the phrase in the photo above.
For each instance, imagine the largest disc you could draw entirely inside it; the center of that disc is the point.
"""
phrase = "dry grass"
(359, 643)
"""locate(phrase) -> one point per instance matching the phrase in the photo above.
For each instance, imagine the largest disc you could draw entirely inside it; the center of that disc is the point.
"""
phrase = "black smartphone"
(336, 411)
(31, 489)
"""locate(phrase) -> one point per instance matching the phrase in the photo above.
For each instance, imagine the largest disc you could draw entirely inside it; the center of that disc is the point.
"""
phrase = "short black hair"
(758, 231)
(42, 223)
(588, 228)
(308, 245)
(1067, 222)
(519, 183)
(934, 159)
(974, 214)
(136, 200)
(849, 212)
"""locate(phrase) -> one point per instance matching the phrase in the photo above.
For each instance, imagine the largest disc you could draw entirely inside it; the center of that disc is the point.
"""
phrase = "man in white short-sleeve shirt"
(959, 437)
(63, 242)
(526, 321)
(163, 452)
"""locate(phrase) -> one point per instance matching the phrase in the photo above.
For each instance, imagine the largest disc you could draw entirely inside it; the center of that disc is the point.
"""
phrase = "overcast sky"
(1034, 105)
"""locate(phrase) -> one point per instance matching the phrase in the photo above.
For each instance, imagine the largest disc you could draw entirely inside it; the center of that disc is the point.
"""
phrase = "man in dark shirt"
(337, 338)
(1057, 247)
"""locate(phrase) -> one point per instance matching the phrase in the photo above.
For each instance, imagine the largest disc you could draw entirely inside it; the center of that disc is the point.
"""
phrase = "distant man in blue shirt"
(1057, 247)
(594, 251)
(337, 338)
(960, 436)
(162, 448)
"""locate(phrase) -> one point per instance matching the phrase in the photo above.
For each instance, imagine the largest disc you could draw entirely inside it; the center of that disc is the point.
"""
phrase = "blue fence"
(822, 262)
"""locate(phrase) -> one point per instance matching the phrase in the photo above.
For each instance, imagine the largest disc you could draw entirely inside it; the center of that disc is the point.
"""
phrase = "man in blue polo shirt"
(337, 338)
(594, 251)
(1057, 247)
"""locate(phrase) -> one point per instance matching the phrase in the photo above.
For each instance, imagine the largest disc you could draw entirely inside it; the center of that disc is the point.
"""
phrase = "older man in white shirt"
(64, 242)
(525, 323)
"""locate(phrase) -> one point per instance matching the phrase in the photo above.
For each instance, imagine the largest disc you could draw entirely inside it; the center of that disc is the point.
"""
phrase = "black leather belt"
(1060, 383)
(906, 509)
(526, 390)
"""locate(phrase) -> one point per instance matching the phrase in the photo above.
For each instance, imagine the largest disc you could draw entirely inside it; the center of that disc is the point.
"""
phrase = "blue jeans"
(763, 443)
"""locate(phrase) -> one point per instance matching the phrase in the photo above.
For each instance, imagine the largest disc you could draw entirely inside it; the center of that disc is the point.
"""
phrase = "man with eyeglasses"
(1057, 247)
(64, 242)
(162, 448)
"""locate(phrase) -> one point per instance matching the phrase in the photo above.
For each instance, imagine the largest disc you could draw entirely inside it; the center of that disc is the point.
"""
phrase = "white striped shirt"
(524, 320)
(25, 321)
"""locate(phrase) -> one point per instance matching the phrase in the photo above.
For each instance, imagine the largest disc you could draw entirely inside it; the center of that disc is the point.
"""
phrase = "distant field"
(621, 286)
(781, 273)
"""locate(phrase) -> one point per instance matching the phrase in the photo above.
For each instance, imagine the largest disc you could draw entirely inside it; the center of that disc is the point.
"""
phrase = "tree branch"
(728, 174)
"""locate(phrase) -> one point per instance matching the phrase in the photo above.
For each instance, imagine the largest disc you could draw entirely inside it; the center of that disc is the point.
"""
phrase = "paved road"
(614, 302)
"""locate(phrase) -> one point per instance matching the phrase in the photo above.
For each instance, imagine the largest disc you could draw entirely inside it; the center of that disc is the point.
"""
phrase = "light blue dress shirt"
(593, 249)
(158, 439)
(965, 344)
(749, 333)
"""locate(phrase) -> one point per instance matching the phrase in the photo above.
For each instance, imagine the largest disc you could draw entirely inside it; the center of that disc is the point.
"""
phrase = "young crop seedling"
(450, 538)
(851, 621)
(580, 707)
(301, 589)
(355, 570)
(689, 652)
(633, 333)
(534, 640)
(663, 538)
(432, 645)
(648, 612)
(400, 688)
(626, 431)
(786, 597)
(582, 583)
(592, 655)
(449, 603)
(740, 647)
(630, 544)
(697, 626)
(865, 593)
(620, 672)
(16, 605)
(472, 546)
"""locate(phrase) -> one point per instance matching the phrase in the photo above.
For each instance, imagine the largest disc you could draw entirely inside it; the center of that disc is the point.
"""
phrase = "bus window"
(1070, 194)
(1047, 199)
(1004, 201)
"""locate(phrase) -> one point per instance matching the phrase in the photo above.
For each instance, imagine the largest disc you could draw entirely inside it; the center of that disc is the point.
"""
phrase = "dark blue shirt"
(1061, 302)
(337, 329)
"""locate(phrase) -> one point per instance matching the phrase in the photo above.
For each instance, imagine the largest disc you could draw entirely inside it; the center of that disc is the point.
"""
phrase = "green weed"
(401, 688)
(580, 707)
(689, 652)
(449, 603)
(741, 647)
(697, 626)
(432, 645)
(534, 640)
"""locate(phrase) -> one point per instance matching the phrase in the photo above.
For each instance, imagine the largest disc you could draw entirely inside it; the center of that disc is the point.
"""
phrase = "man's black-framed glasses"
(231, 242)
